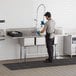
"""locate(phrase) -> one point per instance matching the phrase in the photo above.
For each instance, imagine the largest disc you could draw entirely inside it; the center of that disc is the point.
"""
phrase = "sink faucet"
(37, 13)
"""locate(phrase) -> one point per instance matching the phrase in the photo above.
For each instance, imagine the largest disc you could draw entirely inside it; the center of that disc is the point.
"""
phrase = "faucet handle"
(35, 19)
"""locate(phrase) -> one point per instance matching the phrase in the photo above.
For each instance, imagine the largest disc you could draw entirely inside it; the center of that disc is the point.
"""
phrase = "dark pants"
(49, 45)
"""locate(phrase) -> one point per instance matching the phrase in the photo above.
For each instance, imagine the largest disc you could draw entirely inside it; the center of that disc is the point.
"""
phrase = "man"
(50, 29)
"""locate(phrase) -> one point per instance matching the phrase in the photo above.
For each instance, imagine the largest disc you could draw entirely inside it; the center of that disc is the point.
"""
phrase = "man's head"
(47, 15)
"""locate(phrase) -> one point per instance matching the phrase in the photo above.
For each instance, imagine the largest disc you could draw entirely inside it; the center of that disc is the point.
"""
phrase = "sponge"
(38, 33)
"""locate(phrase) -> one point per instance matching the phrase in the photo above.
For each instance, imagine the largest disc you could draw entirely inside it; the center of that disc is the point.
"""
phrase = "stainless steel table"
(21, 39)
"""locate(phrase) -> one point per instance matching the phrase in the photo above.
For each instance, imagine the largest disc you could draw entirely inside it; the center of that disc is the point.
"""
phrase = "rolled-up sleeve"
(46, 25)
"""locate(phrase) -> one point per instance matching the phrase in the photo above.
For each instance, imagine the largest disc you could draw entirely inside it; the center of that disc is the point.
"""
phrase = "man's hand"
(43, 30)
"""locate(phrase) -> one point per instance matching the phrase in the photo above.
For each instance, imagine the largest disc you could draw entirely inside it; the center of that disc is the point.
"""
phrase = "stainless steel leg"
(71, 56)
(20, 53)
(55, 50)
(21, 49)
(25, 55)
(37, 49)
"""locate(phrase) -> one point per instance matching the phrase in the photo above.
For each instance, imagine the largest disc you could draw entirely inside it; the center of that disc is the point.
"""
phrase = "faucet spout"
(37, 13)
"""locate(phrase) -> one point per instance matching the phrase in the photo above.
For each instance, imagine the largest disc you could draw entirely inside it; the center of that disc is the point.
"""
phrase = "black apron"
(49, 46)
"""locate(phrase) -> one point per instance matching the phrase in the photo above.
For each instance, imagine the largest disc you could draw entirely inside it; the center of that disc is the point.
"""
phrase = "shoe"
(48, 61)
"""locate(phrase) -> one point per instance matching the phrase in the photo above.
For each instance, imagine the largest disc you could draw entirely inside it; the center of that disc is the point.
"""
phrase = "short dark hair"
(47, 14)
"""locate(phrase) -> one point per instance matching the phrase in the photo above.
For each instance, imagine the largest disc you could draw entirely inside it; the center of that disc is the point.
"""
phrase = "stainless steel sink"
(27, 32)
